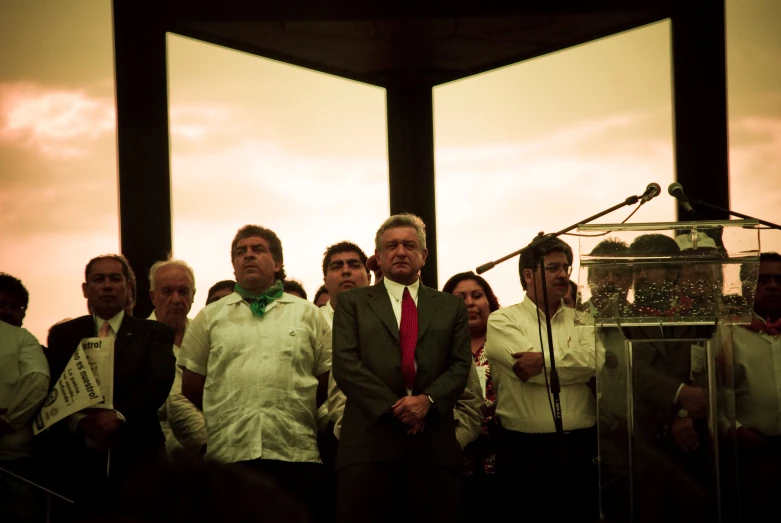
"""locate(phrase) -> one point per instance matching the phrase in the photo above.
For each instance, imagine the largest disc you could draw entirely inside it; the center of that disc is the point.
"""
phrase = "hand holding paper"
(88, 380)
(100, 425)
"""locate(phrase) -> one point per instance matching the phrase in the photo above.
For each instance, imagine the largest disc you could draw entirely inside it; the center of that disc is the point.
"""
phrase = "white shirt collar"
(532, 307)
(153, 317)
(329, 309)
(396, 290)
(115, 322)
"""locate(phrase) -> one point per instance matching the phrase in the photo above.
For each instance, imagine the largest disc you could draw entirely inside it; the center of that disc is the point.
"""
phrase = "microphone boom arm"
(739, 215)
(490, 265)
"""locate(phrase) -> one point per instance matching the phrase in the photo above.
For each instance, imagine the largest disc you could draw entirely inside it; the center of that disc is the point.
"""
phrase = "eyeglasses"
(764, 279)
(554, 268)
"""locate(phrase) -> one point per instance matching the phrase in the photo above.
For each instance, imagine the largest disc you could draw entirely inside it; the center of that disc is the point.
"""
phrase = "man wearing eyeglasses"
(529, 451)
(757, 361)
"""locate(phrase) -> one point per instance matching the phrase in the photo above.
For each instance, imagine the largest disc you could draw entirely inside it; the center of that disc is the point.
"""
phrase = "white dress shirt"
(336, 398)
(757, 360)
(182, 422)
(24, 383)
(396, 293)
(524, 406)
(261, 377)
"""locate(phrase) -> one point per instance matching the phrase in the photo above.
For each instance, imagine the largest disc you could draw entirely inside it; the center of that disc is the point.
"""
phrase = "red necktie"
(774, 329)
(408, 338)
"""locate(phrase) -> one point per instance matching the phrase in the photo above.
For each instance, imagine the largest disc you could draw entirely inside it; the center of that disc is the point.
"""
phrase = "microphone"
(652, 191)
(676, 191)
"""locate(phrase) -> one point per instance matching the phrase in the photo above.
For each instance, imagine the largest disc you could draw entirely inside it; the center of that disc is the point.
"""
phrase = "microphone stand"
(490, 265)
(733, 213)
(555, 384)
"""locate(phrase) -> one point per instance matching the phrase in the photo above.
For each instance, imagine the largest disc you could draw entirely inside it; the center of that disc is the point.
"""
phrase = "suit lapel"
(427, 308)
(379, 301)
(124, 335)
(84, 327)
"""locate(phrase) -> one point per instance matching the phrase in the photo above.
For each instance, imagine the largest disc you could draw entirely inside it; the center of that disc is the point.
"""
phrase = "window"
(542, 144)
(257, 141)
(58, 165)
(754, 96)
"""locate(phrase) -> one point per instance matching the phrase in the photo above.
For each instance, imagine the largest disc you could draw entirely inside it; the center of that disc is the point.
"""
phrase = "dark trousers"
(106, 474)
(297, 479)
(19, 500)
(759, 472)
(325, 487)
(476, 489)
(535, 480)
(405, 490)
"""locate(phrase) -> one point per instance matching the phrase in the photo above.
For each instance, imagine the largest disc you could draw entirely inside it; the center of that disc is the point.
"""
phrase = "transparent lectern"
(663, 298)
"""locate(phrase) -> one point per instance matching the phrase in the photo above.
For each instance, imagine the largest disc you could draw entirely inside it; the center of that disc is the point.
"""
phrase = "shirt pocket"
(298, 354)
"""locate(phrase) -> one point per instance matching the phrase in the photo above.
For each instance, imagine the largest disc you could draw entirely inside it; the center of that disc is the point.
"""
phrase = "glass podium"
(663, 298)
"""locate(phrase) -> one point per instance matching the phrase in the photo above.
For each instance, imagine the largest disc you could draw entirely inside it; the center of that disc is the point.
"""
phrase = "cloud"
(58, 122)
(755, 166)
(196, 123)
(63, 123)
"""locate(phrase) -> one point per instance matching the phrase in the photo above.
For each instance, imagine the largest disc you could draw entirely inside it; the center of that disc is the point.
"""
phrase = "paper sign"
(697, 360)
(76, 389)
(100, 354)
(482, 377)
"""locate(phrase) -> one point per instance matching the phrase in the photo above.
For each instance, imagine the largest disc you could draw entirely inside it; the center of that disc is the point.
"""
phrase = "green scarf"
(258, 302)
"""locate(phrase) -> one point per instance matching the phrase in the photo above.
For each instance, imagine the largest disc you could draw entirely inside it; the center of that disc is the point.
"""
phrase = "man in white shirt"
(344, 267)
(257, 362)
(671, 451)
(529, 452)
(402, 358)
(24, 382)
(172, 289)
(757, 361)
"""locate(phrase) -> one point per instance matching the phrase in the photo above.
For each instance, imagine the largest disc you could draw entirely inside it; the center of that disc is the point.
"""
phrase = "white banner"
(100, 354)
(76, 389)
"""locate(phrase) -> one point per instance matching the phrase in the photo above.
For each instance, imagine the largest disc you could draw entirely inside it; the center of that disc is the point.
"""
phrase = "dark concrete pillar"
(142, 138)
(411, 162)
(700, 98)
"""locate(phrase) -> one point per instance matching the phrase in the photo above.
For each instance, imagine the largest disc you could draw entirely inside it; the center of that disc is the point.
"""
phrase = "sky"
(531, 147)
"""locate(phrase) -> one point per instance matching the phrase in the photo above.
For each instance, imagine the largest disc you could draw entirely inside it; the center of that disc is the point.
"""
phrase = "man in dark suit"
(671, 446)
(95, 443)
(401, 355)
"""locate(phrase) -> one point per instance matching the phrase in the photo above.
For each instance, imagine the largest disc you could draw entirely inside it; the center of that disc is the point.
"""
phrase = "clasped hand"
(412, 411)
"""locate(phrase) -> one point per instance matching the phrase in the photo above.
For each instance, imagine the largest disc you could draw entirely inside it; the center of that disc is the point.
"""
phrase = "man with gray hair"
(172, 289)
(401, 355)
